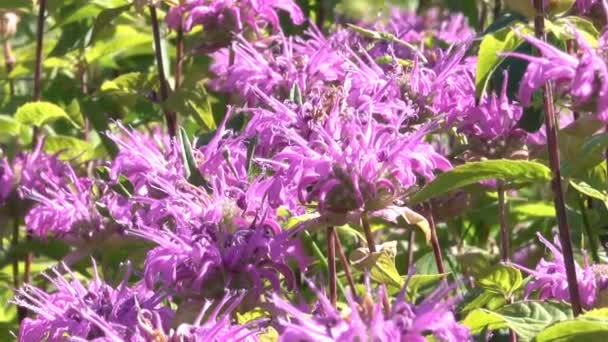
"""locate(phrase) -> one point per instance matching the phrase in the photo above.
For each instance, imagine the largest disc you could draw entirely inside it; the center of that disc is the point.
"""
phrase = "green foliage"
(379, 265)
(504, 280)
(526, 318)
(591, 326)
(473, 172)
(40, 113)
(489, 58)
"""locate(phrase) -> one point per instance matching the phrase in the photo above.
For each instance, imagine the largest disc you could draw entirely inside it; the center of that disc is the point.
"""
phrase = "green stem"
(592, 241)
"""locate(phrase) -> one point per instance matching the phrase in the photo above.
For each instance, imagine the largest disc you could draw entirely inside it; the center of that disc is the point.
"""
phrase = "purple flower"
(231, 15)
(354, 163)
(275, 64)
(87, 312)
(64, 210)
(34, 171)
(495, 117)
(143, 159)
(215, 256)
(585, 78)
(550, 282)
(367, 320)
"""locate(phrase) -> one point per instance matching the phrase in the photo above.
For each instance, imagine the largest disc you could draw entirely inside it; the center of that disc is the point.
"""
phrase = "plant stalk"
(434, 239)
(505, 243)
(410, 250)
(37, 96)
(346, 266)
(371, 244)
(331, 261)
(170, 116)
(556, 184)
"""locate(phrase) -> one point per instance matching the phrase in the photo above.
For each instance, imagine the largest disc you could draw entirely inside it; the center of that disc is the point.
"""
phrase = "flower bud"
(8, 24)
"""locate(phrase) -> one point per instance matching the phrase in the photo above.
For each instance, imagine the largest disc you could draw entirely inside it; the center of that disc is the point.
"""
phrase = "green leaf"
(192, 173)
(575, 331)
(104, 20)
(404, 216)
(416, 282)
(193, 101)
(504, 20)
(590, 191)
(70, 148)
(561, 29)
(588, 155)
(99, 120)
(295, 94)
(503, 40)
(9, 126)
(127, 87)
(471, 173)
(502, 280)
(534, 209)
(73, 111)
(380, 264)
(15, 4)
(72, 37)
(526, 318)
(40, 113)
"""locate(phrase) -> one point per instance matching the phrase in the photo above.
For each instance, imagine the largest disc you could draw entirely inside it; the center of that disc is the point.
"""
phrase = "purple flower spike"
(87, 312)
(550, 281)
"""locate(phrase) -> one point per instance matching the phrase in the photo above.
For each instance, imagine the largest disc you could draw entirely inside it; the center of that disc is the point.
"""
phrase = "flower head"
(550, 282)
(368, 321)
(243, 257)
(87, 311)
(222, 17)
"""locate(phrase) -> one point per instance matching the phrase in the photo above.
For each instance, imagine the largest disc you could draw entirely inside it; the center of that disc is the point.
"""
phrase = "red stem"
(331, 261)
(371, 244)
(346, 266)
(434, 239)
(556, 184)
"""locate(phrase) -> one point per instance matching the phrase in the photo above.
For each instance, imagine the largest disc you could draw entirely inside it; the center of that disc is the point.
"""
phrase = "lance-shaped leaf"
(191, 171)
(519, 171)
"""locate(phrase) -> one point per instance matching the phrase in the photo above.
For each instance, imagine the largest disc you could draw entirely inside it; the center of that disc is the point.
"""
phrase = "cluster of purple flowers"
(370, 320)
(347, 123)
